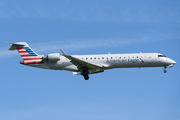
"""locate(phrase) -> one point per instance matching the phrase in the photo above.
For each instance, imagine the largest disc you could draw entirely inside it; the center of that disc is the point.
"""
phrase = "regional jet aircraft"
(89, 64)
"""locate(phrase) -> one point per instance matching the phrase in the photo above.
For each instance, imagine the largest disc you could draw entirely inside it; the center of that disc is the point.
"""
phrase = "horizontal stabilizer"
(14, 45)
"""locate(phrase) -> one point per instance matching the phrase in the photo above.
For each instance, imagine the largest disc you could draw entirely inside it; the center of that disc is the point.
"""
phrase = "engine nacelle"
(54, 57)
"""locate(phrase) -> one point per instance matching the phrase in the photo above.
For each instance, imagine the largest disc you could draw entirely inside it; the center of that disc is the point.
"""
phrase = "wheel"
(86, 77)
(165, 71)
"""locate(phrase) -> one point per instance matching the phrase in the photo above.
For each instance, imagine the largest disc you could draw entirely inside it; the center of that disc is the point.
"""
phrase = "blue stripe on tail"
(30, 51)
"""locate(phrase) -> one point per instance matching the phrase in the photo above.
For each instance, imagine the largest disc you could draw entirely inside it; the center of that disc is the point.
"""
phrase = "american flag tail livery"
(28, 55)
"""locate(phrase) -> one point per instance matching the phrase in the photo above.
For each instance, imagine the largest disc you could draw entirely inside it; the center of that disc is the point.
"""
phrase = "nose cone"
(174, 62)
(171, 61)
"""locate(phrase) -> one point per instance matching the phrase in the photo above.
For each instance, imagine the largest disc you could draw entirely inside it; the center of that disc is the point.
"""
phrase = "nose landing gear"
(165, 71)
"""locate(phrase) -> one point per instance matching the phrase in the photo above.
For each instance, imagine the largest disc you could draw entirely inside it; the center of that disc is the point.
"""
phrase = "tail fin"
(27, 54)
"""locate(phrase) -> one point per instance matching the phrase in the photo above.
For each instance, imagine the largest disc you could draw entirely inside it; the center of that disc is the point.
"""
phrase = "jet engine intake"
(54, 57)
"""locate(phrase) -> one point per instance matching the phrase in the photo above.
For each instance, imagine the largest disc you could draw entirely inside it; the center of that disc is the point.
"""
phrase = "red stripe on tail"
(22, 52)
(25, 55)
(27, 59)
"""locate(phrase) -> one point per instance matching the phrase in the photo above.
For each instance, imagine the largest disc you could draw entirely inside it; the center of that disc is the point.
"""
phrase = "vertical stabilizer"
(28, 55)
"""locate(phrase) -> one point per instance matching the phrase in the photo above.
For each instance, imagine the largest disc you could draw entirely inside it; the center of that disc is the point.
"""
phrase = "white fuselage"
(110, 61)
(89, 64)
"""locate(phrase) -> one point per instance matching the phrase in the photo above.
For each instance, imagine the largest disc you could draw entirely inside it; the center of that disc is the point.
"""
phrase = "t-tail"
(28, 55)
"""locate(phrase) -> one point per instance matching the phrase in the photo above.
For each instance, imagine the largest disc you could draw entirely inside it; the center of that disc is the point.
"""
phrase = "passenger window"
(94, 58)
(137, 56)
(91, 58)
(111, 57)
(86, 58)
(119, 57)
(102, 57)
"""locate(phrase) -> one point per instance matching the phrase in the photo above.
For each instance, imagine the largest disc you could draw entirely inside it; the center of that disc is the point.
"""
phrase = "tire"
(86, 77)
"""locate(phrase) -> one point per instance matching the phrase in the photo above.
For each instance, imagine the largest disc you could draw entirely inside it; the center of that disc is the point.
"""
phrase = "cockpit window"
(161, 56)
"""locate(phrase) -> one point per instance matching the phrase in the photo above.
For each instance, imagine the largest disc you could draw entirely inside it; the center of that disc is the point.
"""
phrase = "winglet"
(63, 53)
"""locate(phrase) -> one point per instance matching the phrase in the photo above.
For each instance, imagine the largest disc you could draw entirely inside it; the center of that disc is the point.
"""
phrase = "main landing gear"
(165, 71)
(85, 74)
(86, 77)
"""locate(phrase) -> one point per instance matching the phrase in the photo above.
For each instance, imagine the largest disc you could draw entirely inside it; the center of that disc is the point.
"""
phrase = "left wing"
(83, 64)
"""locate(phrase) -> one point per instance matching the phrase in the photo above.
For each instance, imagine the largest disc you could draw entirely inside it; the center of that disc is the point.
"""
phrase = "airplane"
(89, 64)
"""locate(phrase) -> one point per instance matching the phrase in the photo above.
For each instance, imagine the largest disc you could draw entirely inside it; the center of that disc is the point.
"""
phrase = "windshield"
(161, 56)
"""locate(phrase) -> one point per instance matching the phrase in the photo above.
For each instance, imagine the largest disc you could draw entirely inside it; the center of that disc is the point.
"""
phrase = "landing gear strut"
(85, 74)
(165, 71)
